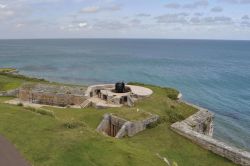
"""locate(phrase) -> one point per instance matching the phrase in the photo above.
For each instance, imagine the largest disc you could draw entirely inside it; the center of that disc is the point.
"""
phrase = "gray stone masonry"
(124, 127)
(199, 127)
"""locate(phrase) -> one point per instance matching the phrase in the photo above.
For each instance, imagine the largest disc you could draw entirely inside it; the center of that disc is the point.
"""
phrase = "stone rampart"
(10, 93)
(118, 127)
(199, 128)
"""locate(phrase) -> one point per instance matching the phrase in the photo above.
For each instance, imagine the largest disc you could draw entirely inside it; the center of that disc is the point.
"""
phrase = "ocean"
(214, 74)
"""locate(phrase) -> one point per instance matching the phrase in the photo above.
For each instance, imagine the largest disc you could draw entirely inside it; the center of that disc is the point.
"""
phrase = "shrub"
(45, 112)
(41, 111)
(20, 104)
(19, 76)
(73, 124)
(171, 93)
(153, 125)
(174, 116)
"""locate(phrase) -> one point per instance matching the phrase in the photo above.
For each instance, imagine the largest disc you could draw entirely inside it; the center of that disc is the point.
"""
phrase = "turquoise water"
(212, 74)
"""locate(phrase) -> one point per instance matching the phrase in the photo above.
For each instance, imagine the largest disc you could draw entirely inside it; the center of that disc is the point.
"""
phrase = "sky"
(189, 19)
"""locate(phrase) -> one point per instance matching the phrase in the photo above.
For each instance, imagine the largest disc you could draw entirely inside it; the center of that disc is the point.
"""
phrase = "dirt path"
(9, 156)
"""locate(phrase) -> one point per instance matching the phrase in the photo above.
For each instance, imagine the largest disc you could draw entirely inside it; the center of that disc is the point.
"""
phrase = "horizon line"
(110, 38)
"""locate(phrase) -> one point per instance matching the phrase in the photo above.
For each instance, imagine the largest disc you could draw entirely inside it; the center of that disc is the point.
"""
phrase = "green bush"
(73, 124)
(19, 76)
(41, 111)
(174, 116)
(153, 125)
(171, 93)
(20, 104)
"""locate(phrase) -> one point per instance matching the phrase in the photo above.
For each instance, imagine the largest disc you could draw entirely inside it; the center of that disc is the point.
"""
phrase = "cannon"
(120, 87)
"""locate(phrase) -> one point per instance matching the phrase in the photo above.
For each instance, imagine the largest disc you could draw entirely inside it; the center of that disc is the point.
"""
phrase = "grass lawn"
(7, 70)
(48, 141)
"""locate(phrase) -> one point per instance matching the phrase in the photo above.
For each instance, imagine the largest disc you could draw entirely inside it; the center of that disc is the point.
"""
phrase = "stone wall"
(138, 126)
(10, 93)
(50, 98)
(111, 125)
(125, 128)
(199, 128)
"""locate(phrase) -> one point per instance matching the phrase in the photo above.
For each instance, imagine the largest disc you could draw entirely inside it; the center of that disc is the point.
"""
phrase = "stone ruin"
(52, 94)
(199, 129)
(115, 95)
(117, 127)
(99, 96)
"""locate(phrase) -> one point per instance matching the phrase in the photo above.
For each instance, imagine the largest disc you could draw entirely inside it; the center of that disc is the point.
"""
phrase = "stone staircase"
(85, 104)
(130, 101)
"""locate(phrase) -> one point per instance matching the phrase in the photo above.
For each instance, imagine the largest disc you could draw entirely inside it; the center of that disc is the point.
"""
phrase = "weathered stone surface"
(104, 125)
(10, 93)
(138, 126)
(193, 129)
(118, 127)
(52, 94)
(201, 122)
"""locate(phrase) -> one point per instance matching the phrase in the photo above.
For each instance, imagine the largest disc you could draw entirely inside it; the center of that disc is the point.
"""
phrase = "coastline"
(188, 129)
(236, 155)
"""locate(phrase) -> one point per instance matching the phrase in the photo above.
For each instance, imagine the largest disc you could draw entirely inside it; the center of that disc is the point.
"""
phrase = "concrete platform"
(140, 91)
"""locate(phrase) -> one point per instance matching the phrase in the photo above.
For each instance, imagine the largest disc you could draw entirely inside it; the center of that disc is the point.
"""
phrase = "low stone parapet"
(204, 139)
(117, 127)
(9, 93)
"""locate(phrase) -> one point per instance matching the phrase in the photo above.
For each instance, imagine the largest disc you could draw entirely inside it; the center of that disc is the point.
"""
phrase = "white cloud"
(143, 15)
(173, 5)
(217, 9)
(173, 18)
(6, 13)
(2, 6)
(245, 17)
(91, 9)
(82, 24)
(96, 9)
(236, 1)
(196, 4)
(75, 26)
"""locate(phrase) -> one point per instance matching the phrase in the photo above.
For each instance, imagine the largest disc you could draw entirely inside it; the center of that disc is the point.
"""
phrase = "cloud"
(219, 20)
(236, 1)
(217, 9)
(245, 17)
(2, 6)
(110, 25)
(143, 15)
(196, 4)
(91, 9)
(82, 24)
(75, 26)
(135, 21)
(172, 5)
(96, 9)
(198, 14)
(245, 23)
(172, 18)
(5, 12)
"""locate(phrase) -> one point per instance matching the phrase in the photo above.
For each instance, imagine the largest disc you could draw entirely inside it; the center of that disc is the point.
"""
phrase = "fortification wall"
(50, 98)
(9, 93)
(138, 126)
(199, 128)
(122, 126)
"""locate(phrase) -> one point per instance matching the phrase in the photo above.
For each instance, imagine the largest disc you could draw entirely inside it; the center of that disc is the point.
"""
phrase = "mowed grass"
(46, 141)
(6, 70)
(7, 83)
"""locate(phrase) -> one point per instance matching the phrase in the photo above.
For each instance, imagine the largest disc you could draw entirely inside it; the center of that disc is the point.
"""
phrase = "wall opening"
(111, 125)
